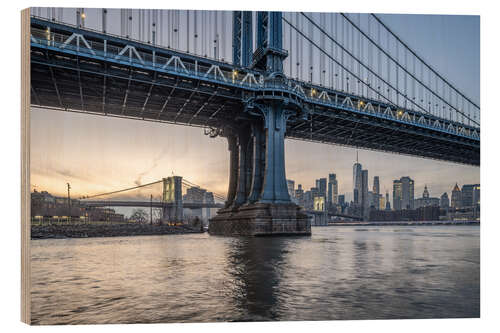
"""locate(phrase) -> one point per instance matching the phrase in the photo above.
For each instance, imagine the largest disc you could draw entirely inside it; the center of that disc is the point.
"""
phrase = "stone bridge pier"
(258, 203)
(172, 195)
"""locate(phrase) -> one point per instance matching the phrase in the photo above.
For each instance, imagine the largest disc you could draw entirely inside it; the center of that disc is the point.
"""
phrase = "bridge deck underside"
(80, 84)
(84, 85)
(345, 128)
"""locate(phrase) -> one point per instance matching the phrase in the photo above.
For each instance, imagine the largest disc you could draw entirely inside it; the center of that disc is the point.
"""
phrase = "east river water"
(337, 273)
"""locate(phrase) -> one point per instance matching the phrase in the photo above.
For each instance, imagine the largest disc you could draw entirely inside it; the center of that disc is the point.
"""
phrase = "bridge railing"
(222, 72)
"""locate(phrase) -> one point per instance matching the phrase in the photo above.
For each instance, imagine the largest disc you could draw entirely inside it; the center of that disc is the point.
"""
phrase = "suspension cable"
(119, 191)
(404, 69)
(344, 67)
(420, 59)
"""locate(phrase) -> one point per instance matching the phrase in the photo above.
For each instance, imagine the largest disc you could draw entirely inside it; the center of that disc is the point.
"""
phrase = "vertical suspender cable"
(397, 74)
(333, 22)
(310, 62)
(342, 54)
(405, 91)
(389, 95)
(291, 48)
(195, 14)
(360, 56)
(188, 30)
(297, 47)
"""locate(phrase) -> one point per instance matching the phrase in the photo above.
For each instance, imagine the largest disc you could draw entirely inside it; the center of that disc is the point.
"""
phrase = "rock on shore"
(105, 230)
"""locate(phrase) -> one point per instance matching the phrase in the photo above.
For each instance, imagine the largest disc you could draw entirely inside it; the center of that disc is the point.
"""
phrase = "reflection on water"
(337, 273)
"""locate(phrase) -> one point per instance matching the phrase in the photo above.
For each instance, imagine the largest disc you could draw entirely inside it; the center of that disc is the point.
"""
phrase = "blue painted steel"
(237, 27)
(246, 39)
(242, 38)
(275, 188)
(319, 115)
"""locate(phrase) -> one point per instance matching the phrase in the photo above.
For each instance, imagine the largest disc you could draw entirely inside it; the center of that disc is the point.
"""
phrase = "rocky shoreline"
(404, 223)
(106, 230)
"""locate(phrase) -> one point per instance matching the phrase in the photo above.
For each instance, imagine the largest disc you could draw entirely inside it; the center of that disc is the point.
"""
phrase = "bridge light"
(83, 15)
(400, 112)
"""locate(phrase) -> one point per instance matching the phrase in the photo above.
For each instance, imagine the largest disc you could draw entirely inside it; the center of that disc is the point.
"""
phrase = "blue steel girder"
(237, 32)
(242, 38)
(269, 55)
(158, 83)
(382, 137)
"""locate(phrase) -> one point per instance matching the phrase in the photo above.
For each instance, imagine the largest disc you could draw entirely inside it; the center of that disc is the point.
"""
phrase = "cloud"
(154, 164)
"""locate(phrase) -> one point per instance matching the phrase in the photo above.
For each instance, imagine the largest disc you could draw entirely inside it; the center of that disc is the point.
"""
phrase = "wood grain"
(25, 168)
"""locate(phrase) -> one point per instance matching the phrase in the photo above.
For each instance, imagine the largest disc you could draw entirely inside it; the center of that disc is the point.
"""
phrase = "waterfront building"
(470, 195)
(356, 181)
(371, 199)
(456, 197)
(397, 194)
(430, 213)
(332, 197)
(376, 192)
(403, 193)
(299, 195)
(342, 199)
(45, 204)
(445, 201)
(408, 192)
(426, 200)
(321, 186)
(314, 192)
(365, 203)
(308, 200)
(387, 202)
(342, 204)
(194, 195)
(476, 195)
(381, 202)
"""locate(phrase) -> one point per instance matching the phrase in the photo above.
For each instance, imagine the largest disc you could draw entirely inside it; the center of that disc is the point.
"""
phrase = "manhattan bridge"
(254, 78)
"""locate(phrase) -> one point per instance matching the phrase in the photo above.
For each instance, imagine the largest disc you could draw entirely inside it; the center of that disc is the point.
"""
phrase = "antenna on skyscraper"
(356, 156)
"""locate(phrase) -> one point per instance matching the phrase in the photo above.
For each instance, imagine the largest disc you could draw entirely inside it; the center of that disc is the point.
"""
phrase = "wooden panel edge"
(25, 169)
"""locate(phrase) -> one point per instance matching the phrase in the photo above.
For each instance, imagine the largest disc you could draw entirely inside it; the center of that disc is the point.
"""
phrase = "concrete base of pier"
(261, 219)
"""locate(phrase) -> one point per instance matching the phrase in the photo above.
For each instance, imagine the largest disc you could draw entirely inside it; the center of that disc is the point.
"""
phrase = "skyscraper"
(341, 199)
(456, 197)
(365, 202)
(332, 197)
(397, 194)
(321, 185)
(299, 195)
(476, 195)
(376, 192)
(408, 193)
(387, 202)
(470, 195)
(445, 201)
(356, 181)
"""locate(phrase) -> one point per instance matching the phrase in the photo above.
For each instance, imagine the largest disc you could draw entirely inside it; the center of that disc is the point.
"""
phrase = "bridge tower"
(172, 199)
(258, 202)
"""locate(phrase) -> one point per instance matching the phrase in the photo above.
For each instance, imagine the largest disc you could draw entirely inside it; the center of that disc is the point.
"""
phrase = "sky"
(99, 154)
